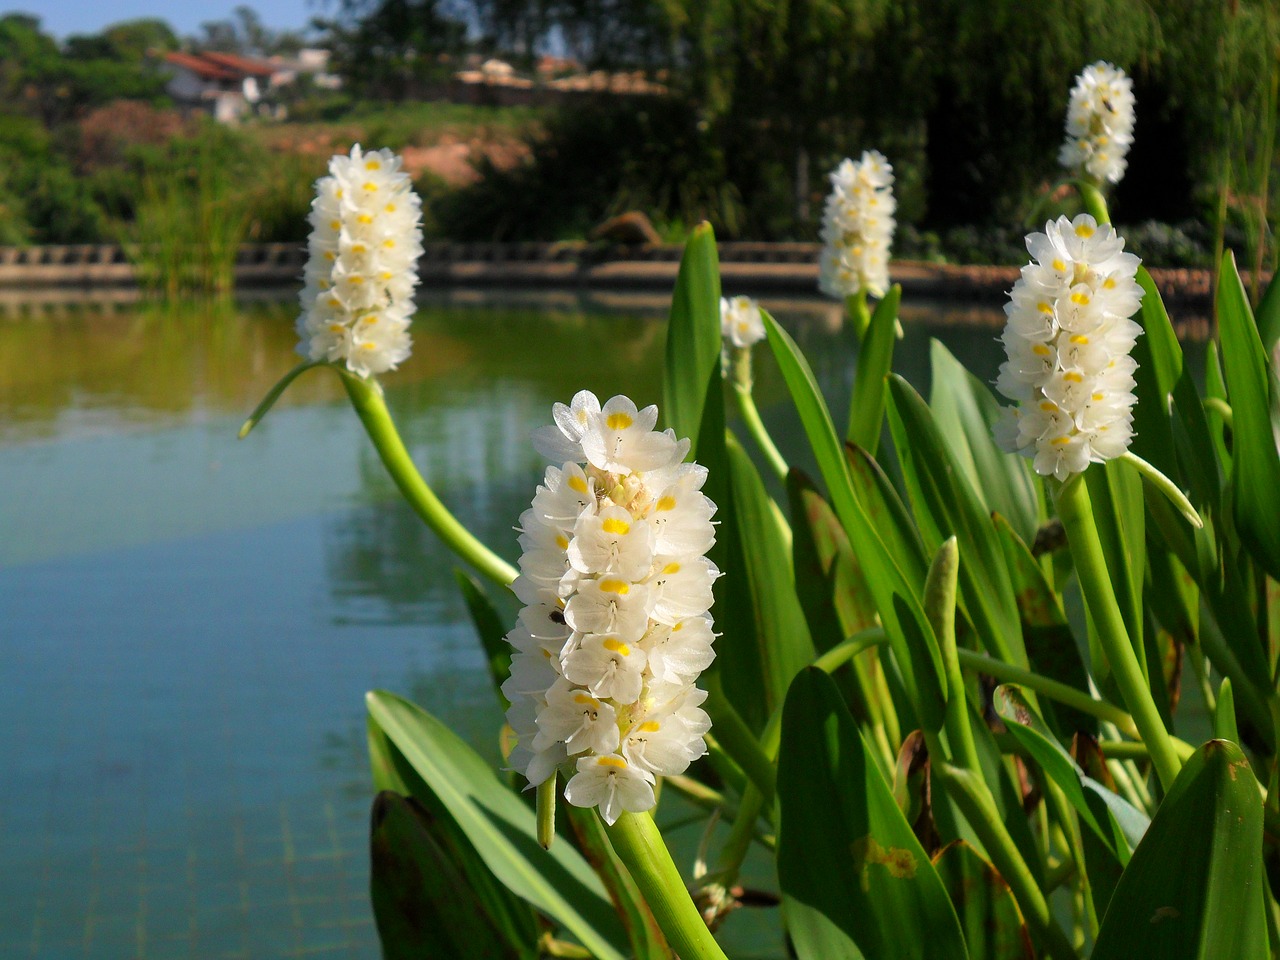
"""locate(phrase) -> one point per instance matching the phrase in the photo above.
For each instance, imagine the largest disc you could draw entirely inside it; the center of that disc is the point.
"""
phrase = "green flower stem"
(366, 396)
(1095, 204)
(940, 608)
(855, 306)
(755, 426)
(1060, 692)
(639, 845)
(1076, 514)
(1222, 409)
(974, 800)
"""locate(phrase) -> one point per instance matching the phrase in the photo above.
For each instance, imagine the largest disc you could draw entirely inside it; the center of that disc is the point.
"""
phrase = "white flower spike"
(857, 228)
(365, 242)
(615, 628)
(1068, 339)
(741, 325)
(1099, 124)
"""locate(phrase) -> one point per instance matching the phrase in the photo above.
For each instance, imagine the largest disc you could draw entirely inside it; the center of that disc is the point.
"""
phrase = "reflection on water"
(189, 621)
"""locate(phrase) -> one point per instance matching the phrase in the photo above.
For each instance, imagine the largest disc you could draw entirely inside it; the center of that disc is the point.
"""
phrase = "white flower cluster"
(615, 628)
(857, 228)
(740, 322)
(364, 248)
(1099, 123)
(1068, 339)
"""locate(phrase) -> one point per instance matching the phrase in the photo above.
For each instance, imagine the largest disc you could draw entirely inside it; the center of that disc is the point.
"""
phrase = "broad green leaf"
(459, 785)
(945, 504)
(855, 881)
(784, 646)
(1051, 647)
(875, 358)
(1255, 473)
(887, 513)
(1185, 421)
(989, 915)
(1159, 358)
(1269, 316)
(897, 598)
(491, 629)
(693, 336)
(647, 940)
(1194, 888)
(422, 902)
(829, 580)
(1114, 820)
(509, 914)
(832, 591)
(966, 413)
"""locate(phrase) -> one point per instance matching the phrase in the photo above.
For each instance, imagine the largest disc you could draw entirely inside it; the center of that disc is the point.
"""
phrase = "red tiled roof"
(247, 66)
(212, 65)
(200, 66)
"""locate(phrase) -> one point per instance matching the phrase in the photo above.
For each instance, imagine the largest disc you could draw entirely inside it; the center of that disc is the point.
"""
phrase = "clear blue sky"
(64, 17)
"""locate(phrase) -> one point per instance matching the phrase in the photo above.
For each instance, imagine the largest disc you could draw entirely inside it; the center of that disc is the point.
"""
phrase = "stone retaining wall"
(749, 268)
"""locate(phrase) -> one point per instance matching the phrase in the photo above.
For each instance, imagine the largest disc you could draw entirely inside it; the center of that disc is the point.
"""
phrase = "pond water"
(188, 622)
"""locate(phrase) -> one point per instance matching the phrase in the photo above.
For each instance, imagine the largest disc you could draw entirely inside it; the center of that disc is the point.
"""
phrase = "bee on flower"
(357, 301)
(615, 627)
(1068, 340)
(857, 228)
(1099, 124)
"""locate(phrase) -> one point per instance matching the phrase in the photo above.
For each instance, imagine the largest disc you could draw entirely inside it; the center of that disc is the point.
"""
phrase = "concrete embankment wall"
(750, 268)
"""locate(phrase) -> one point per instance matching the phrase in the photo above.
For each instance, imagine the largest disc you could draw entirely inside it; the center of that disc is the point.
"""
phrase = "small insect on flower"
(617, 589)
(1068, 339)
(365, 242)
(857, 228)
(1099, 124)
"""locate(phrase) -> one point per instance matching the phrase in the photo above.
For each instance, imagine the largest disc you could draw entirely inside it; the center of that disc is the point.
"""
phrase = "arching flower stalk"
(857, 230)
(615, 627)
(1068, 339)
(1099, 124)
(741, 328)
(365, 242)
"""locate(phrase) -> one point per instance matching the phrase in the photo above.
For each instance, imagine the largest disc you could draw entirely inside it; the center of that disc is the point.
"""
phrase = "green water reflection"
(188, 622)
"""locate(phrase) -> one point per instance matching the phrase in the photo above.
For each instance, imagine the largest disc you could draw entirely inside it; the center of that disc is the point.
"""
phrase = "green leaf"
(1269, 316)
(693, 335)
(829, 582)
(887, 513)
(783, 644)
(855, 881)
(490, 627)
(508, 913)
(966, 413)
(1051, 647)
(897, 598)
(1255, 474)
(1114, 820)
(875, 358)
(1184, 422)
(989, 915)
(459, 785)
(1224, 717)
(945, 505)
(422, 902)
(1194, 888)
